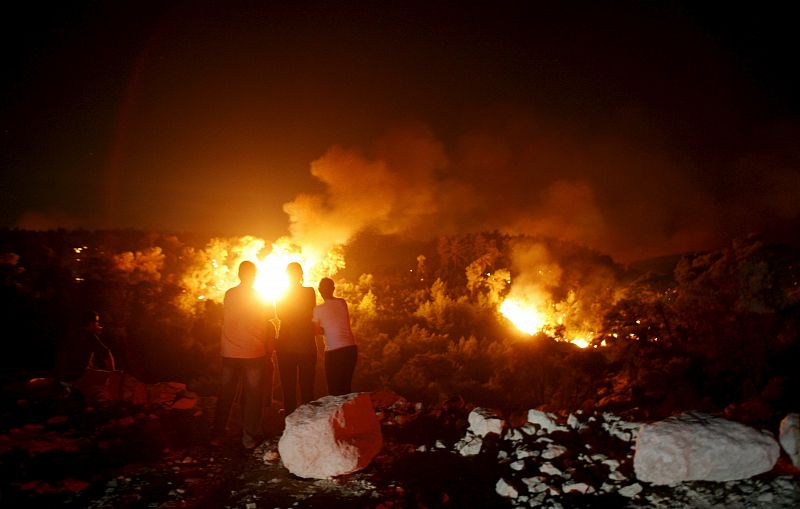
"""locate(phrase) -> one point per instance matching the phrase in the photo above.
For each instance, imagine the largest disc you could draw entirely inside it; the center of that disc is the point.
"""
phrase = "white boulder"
(790, 437)
(700, 447)
(334, 435)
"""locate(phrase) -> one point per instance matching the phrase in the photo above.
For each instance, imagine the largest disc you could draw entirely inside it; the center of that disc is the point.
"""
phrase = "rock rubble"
(587, 460)
(790, 437)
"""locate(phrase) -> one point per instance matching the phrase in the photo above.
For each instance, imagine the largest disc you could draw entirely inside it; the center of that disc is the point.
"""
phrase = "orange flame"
(525, 317)
(530, 318)
(215, 269)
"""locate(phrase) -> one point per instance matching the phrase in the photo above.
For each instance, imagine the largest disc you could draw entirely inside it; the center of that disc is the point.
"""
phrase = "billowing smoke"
(390, 189)
(620, 191)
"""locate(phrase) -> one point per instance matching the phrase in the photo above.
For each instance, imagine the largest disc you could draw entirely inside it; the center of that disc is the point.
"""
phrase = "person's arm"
(109, 362)
(318, 330)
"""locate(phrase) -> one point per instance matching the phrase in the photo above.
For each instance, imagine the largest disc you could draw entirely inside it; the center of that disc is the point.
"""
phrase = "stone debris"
(102, 386)
(517, 465)
(271, 456)
(699, 447)
(573, 422)
(545, 421)
(564, 475)
(631, 490)
(553, 451)
(483, 421)
(432, 455)
(577, 487)
(332, 436)
(504, 489)
(470, 445)
(790, 437)
(514, 435)
(549, 469)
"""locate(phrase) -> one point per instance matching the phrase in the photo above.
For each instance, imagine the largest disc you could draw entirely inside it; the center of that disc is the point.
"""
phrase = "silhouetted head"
(326, 287)
(90, 320)
(247, 272)
(294, 272)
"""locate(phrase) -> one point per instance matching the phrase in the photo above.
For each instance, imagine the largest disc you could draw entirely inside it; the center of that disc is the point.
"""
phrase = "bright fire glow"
(271, 279)
(526, 318)
(531, 318)
(580, 342)
(216, 267)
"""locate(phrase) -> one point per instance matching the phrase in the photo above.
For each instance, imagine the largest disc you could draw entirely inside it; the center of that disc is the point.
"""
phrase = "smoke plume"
(622, 190)
(391, 189)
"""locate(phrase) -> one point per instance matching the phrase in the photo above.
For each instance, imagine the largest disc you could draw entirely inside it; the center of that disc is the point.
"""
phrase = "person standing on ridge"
(332, 319)
(245, 346)
(296, 348)
(83, 349)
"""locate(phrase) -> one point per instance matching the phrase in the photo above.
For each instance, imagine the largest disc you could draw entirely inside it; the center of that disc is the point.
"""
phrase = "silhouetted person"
(295, 346)
(332, 319)
(245, 346)
(83, 349)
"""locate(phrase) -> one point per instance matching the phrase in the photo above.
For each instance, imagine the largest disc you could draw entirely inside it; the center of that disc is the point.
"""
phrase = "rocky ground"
(158, 455)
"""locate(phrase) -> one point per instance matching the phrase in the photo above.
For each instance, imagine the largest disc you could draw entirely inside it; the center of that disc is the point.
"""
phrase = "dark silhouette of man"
(295, 347)
(245, 346)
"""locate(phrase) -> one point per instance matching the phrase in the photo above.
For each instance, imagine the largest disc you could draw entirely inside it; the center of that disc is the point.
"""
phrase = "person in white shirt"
(332, 319)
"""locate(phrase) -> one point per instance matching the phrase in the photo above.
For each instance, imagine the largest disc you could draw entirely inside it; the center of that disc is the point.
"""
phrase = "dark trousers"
(339, 367)
(251, 373)
(291, 366)
(269, 373)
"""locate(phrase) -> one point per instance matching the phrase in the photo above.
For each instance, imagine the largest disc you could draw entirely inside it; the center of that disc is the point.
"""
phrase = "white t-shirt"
(333, 317)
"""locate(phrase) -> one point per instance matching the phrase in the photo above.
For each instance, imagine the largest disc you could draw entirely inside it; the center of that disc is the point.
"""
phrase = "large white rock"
(700, 447)
(334, 435)
(790, 437)
(483, 421)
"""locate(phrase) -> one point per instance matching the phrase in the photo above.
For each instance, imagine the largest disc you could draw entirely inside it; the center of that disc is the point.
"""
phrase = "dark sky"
(637, 128)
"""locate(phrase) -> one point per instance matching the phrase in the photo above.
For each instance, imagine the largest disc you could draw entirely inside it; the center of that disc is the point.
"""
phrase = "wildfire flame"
(216, 267)
(526, 318)
(271, 279)
(529, 317)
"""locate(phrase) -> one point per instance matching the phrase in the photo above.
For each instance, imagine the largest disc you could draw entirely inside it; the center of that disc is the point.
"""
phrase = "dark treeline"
(50, 278)
(717, 331)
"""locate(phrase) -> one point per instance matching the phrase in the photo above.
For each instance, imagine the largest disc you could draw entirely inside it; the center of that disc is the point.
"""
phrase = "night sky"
(636, 128)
